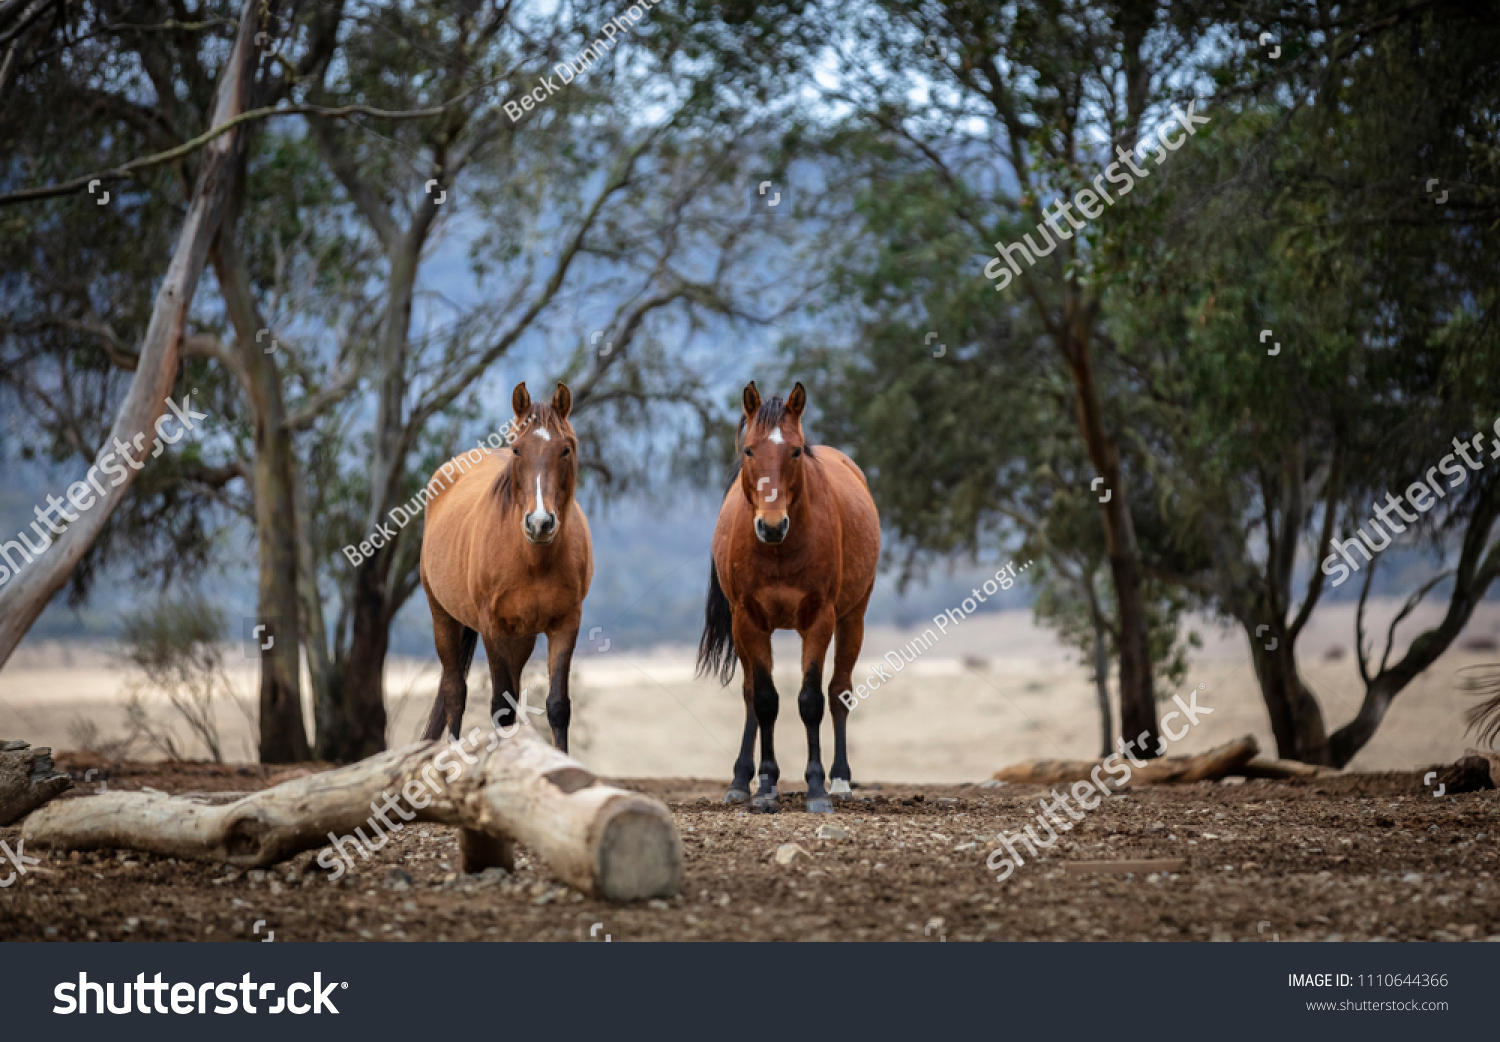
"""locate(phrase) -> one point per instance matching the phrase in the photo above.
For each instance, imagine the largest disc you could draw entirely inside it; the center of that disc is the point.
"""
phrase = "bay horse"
(506, 555)
(795, 548)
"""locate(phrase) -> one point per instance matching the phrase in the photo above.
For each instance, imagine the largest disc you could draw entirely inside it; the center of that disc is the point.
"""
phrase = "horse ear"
(520, 400)
(752, 399)
(562, 400)
(797, 401)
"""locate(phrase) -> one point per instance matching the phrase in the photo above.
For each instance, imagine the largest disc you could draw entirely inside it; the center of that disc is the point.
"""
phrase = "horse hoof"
(765, 804)
(820, 805)
(839, 787)
(736, 795)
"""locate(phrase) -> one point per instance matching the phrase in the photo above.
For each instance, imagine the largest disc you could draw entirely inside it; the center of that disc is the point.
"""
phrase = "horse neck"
(814, 489)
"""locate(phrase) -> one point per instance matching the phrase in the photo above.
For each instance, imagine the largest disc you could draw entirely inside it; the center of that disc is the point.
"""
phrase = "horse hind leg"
(507, 660)
(455, 647)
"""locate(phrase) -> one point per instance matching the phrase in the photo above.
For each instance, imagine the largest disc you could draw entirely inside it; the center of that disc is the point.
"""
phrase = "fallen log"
(1217, 763)
(28, 779)
(604, 841)
(1281, 770)
(1470, 774)
(1490, 757)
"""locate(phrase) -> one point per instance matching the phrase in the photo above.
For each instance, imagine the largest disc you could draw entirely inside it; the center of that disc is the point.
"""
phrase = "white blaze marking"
(541, 432)
(776, 435)
(540, 510)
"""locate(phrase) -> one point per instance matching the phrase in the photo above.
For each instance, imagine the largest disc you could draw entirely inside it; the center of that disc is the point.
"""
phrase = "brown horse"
(506, 555)
(796, 548)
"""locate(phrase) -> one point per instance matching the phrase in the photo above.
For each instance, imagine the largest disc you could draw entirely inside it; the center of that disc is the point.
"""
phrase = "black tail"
(716, 656)
(439, 716)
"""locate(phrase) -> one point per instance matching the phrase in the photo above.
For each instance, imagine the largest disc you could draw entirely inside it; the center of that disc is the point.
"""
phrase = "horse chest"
(780, 605)
(528, 610)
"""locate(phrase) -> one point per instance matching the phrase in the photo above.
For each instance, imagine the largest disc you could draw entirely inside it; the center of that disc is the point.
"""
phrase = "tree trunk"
(26, 595)
(283, 736)
(1478, 567)
(1101, 674)
(276, 628)
(1296, 719)
(1137, 691)
(320, 668)
(360, 727)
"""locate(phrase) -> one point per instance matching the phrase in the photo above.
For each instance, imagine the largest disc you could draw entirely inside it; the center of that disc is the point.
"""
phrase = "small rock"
(787, 853)
(658, 904)
(397, 879)
(991, 783)
(256, 875)
(832, 832)
(1412, 877)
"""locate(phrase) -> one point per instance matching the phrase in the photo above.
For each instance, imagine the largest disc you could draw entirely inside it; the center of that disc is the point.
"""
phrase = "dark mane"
(541, 414)
(770, 414)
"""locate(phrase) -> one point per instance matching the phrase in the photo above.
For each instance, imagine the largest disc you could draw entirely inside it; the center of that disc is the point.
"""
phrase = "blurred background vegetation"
(1344, 197)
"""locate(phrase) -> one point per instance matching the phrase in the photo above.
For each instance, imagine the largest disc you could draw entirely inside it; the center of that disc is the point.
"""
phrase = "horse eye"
(749, 453)
(566, 451)
(796, 453)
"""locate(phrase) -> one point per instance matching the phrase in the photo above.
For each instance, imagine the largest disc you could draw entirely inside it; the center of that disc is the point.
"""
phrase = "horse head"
(544, 471)
(772, 448)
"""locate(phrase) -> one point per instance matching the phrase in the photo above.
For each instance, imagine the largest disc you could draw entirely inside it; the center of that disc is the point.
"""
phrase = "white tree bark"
(24, 597)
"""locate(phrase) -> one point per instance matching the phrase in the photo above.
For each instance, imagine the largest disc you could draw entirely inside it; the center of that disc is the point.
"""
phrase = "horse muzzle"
(540, 528)
(772, 534)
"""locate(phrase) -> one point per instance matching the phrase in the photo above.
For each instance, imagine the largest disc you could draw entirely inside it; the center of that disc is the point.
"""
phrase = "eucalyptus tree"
(615, 187)
(1312, 226)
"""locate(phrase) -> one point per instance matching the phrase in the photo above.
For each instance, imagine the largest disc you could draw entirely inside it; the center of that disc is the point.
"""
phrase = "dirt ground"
(1354, 857)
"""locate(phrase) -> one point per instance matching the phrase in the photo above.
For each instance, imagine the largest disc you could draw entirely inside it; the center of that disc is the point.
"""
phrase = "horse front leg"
(753, 645)
(815, 640)
(744, 767)
(560, 642)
